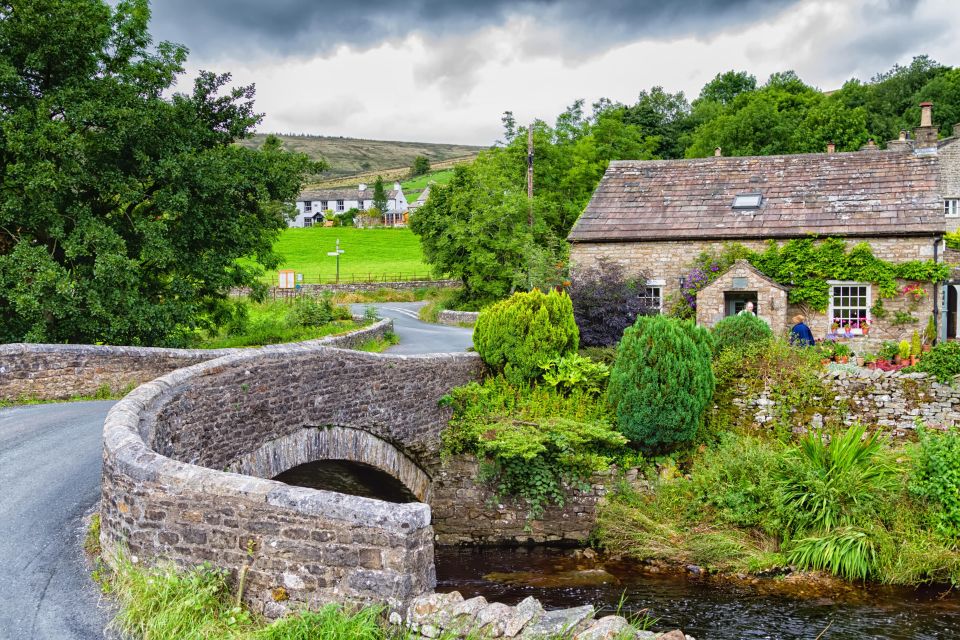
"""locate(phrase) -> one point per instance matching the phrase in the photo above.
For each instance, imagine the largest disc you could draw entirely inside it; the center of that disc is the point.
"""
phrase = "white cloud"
(454, 88)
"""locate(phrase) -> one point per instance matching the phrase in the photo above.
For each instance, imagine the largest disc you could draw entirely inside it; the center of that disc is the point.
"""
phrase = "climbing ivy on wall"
(806, 265)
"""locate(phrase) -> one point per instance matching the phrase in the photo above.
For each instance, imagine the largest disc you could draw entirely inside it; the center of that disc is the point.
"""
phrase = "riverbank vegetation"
(806, 491)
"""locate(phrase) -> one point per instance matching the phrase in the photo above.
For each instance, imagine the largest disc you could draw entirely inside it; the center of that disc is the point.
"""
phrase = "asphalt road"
(50, 478)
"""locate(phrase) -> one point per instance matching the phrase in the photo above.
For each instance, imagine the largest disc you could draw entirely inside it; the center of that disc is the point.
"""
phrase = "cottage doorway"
(736, 301)
(951, 311)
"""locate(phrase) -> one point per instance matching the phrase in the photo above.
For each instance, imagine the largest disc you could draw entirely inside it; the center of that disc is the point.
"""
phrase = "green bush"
(575, 372)
(846, 552)
(533, 438)
(310, 312)
(834, 482)
(661, 381)
(516, 335)
(936, 478)
(740, 330)
(943, 361)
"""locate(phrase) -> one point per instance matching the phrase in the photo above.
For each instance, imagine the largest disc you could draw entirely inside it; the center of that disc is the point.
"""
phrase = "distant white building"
(420, 201)
(313, 205)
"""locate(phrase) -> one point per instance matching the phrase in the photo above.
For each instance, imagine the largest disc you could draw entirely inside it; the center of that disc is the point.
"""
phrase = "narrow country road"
(50, 477)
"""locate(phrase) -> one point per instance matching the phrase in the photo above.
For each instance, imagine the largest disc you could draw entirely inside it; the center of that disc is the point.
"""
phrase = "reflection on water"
(705, 608)
(353, 478)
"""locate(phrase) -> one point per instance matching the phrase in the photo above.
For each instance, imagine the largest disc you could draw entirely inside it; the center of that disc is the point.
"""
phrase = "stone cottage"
(656, 217)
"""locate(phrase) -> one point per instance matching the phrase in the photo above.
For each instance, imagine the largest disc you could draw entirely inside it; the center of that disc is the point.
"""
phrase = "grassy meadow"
(367, 252)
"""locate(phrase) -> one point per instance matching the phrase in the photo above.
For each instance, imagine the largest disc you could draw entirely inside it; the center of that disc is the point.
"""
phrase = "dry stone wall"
(457, 318)
(468, 512)
(165, 494)
(889, 399)
(61, 371)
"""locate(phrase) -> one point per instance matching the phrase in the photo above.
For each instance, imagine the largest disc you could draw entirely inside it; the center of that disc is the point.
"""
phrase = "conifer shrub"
(517, 335)
(661, 382)
(735, 332)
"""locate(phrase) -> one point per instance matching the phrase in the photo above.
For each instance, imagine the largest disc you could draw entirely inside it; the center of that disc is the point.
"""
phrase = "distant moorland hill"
(356, 157)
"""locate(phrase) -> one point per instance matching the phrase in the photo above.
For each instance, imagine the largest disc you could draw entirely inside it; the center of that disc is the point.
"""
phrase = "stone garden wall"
(165, 494)
(61, 371)
(888, 399)
(467, 511)
(457, 318)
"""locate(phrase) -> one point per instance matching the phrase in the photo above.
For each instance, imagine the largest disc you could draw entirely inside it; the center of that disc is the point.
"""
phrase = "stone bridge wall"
(61, 371)
(165, 494)
(457, 318)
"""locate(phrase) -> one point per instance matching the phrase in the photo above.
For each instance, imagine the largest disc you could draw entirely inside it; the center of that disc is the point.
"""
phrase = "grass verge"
(103, 392)
(379, 345)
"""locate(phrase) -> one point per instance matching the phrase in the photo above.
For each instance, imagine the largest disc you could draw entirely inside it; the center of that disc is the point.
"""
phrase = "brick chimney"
(926, 133)
(718, 152)
(831, 147)
(900, 144)
(870, 146)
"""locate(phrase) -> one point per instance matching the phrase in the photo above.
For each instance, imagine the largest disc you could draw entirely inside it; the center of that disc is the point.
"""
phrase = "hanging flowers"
(915, 291)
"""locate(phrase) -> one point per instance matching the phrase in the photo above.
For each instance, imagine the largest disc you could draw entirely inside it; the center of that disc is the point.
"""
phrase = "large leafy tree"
(124, 210)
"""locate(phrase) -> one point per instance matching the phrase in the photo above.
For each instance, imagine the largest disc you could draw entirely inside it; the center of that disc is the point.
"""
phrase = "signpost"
(336, 252)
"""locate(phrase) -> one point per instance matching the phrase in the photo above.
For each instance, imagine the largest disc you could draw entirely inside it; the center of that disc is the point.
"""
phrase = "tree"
(726, 87)
(605, 302)
(661, 382)
(123, 212)
(379, 196)
(421, 166)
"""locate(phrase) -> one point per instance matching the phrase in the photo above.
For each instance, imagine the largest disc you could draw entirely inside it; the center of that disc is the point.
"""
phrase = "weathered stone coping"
(457, 318)
(61, 371)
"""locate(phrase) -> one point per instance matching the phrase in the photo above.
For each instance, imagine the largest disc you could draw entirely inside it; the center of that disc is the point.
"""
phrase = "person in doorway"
(801, 335)
(747, 310)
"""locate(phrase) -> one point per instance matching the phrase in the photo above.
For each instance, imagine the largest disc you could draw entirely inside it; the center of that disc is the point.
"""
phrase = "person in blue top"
(801, 335)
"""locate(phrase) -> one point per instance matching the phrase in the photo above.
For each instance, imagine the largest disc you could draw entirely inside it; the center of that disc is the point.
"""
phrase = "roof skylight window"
(747, 201)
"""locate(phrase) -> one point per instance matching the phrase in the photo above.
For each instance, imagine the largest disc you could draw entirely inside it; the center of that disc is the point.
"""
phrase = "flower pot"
(843, 359)
(871, 365)
(825, 361)
(896, 359)
(926, 348)
(859, 361)
(913, 360)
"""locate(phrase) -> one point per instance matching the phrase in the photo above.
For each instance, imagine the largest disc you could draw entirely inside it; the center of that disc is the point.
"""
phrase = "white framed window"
(849, 303)
(308, 222)
(652, 295)
(323, 205)
(307, 206)
(360, 206)
(951, 207)
(339, 205)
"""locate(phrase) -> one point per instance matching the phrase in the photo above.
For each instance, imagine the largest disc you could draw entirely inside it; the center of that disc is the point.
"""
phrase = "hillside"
(353, 156)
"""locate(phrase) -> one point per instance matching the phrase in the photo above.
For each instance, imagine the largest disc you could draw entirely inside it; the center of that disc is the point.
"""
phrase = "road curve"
(50, 459)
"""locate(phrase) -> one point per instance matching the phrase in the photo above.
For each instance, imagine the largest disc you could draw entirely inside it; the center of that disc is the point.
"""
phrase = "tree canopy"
(474, 228)
(124, 210)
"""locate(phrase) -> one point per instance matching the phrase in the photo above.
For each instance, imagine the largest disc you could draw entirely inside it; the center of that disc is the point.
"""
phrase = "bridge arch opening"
(315, 456)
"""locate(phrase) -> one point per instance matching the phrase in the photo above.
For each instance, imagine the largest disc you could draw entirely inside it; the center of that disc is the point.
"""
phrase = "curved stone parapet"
(166, 494)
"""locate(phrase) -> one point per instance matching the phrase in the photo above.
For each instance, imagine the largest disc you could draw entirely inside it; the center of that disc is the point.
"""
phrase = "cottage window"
(652, 296)
(951, 207)
(307, 206)
(323, 205)
(308, 222)
(339, 205)
(360, 205)
(849, 303)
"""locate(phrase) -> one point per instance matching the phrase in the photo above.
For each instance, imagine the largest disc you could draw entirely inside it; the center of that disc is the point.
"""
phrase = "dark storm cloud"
(304, 27)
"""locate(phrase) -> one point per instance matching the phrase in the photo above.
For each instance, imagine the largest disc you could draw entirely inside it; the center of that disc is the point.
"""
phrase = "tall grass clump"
(517, 335)
(661, 382)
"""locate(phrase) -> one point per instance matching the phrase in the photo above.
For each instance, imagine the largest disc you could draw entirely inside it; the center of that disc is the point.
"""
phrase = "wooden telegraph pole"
(530, 176)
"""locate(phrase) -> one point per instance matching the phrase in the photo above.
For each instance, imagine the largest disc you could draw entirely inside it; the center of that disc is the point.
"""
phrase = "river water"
(704, 607)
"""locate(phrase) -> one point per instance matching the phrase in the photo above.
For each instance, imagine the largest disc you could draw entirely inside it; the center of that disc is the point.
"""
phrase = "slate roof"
(875, 193)
(342, 194)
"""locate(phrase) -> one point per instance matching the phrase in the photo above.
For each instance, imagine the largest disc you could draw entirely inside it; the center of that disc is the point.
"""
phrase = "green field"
(414, 186)
(367, 253)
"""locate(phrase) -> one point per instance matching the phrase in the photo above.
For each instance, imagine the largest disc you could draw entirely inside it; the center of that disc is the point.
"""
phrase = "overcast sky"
(444, 71)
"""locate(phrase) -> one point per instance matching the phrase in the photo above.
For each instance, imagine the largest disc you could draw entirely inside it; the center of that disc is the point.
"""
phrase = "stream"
(705, 607)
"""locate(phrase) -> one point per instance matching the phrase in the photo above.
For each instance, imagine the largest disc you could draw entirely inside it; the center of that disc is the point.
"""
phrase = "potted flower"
(842, 353)
(916, 348)
(903, 352)
(870, 360)
(835, 325)
(865, 326)
(827, 351)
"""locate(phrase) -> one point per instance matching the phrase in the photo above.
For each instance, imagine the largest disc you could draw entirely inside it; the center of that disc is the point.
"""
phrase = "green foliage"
(740, 330)
(903, 349)
(942, 361)
(661, 381)
(573, 371)
(606, 355)
(277, 322)
(835, 482)
(310, 312)
(936, 478)
(330, 622)
(535, 438)
(846, 552)
(516, 335)
(379, 195)
(421, 166)
(112, 228)
(916, 345)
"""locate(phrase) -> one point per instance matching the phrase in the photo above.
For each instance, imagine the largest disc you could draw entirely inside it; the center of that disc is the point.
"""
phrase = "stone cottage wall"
(165, 494)
(61, 371)
(468, 512)
(669, 261)
(771, 299)
(950, 173)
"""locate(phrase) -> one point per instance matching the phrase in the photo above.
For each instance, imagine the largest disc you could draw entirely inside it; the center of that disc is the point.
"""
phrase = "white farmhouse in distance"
(311, 205)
